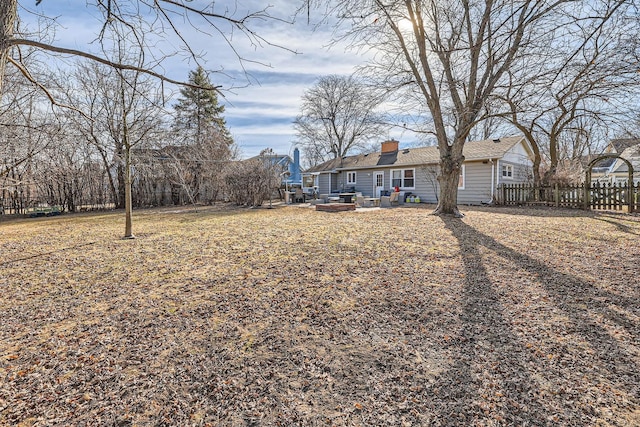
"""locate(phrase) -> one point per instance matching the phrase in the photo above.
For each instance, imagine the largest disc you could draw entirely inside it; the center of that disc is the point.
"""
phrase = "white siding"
(517, 155)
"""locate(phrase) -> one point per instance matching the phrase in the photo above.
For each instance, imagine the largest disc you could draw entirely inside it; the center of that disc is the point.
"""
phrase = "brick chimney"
(390, 146)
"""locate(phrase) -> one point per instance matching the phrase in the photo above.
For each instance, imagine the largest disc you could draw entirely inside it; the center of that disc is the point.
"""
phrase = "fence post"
(587, 195)
(556, 195)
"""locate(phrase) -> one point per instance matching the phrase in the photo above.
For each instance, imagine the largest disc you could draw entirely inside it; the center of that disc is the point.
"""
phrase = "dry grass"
(294, 317)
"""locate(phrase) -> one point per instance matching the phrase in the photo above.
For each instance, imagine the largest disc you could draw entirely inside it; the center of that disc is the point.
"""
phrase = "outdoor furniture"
(362, 202)
(388, 201)
(394, 198)
(288, 197)
(372, 201)
(347, 197)
(299, 196)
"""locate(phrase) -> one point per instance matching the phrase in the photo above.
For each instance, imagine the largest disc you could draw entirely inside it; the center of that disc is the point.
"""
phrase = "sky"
(262, 94)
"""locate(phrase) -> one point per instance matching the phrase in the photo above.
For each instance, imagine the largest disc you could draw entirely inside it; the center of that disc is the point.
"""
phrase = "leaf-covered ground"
(291, 317)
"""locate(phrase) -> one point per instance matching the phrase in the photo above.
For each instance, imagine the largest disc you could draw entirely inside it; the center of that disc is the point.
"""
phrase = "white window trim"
(355, 176)
(508, 168)
(463, 172)
(402, 187)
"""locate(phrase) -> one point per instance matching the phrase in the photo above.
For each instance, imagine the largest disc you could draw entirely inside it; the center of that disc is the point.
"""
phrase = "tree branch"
(29, 77)
(116, 65)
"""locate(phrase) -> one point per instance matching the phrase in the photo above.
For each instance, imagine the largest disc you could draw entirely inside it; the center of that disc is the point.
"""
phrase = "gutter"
(497, 173)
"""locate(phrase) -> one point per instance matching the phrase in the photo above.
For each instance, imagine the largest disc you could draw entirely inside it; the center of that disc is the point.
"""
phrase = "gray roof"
(473, 150)
(632, 154)
(621, 144)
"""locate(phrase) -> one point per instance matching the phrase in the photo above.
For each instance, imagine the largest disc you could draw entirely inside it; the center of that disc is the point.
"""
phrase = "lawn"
(291, 317)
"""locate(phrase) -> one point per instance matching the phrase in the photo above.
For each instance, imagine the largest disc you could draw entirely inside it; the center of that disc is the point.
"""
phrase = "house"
(291, 174)
(488, 164)
(614, 170)
(620, 169)
(603, 170)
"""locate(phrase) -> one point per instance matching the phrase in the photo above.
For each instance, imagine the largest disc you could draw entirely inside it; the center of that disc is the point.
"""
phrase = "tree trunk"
(8, 16)
(553, 160)
(128, 206)
(537, 157)
(121, 153)
(450, 166)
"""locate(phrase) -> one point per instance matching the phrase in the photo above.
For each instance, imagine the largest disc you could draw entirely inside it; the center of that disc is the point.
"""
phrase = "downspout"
(493, 199)
(498, 174)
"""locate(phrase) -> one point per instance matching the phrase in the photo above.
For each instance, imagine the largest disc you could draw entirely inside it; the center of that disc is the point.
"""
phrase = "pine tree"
(198, 112)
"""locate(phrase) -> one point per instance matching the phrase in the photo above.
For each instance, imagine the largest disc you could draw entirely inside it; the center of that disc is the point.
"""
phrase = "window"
(507, 171)
(351, 177)
(403, 178)
(308, 181)
(408, 179)
(396, 179)
(461, 178)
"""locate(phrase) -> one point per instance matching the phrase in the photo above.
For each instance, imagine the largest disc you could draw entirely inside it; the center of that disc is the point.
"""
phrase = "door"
(378, 183)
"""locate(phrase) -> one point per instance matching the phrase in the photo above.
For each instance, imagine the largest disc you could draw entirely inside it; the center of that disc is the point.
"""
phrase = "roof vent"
(496, 140)
(405, 151)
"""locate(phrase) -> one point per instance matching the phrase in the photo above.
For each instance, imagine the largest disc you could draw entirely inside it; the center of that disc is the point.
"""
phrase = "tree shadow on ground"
(617, 222)
(487, 353)
(43, 254)
(494, 375)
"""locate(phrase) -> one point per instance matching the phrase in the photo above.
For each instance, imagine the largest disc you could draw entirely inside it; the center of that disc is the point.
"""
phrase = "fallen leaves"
(295, 317)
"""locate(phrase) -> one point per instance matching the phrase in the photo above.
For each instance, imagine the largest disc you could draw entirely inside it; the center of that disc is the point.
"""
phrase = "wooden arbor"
(587, 186)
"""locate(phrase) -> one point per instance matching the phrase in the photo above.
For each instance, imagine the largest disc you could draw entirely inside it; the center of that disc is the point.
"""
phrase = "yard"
(292, 317)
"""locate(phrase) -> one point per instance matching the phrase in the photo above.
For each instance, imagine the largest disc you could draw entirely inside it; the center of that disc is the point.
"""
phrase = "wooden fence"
(598, 196)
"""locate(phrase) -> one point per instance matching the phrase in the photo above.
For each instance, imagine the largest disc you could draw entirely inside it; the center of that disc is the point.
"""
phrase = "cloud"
(263, 76)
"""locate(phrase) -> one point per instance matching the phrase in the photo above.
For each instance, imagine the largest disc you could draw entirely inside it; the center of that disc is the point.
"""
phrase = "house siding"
(482, 170)
(521, 173)
(324, 183)
(477, 185)
(427, 183)
(364, 181)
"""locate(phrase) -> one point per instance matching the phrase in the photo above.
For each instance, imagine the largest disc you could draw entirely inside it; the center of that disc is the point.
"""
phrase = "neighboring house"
(613, 170)
(488, 164)
(291, 174)
(620, 169)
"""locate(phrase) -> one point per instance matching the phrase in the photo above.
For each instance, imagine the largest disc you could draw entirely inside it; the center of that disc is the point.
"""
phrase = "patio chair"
(299, 196)
(360, 201)
(394, 199)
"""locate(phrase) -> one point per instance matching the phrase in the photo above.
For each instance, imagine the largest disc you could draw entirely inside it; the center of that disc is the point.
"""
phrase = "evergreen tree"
(198, 113)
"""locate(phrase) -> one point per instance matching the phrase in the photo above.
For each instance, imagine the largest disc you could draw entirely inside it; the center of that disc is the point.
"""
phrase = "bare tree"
(214, 154)
(149, 21)
(251, 182)
(577, 88)
(122, 109)
(338, 116)
(26, 130)
(451, 56)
